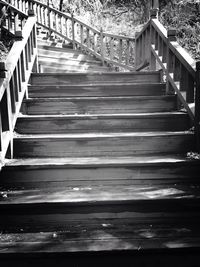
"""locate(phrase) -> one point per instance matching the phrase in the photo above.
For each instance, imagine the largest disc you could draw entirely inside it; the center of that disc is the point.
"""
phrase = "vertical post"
(88, 38)
(197, 107)
(153, 15)
(120, 50)
(49, 18)
(155, 4)
(127, 52)
(137, 50)
(73, 31)
(102, 45)
(171, 35)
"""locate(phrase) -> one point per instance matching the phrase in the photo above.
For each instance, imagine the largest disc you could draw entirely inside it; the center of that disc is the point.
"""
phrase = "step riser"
(39, 79)
(98, 106)
(52, 222)
(64, 125)
(37, 177)
(97, 90)
(114, 146)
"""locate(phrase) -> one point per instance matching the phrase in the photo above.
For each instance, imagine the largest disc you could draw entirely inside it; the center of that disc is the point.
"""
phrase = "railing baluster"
(197, 107)
(73, 32)
(120, 50)
(88, 38)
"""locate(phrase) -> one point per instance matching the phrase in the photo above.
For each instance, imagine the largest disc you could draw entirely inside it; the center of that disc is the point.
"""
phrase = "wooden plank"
(97, 89)
(116, 144)
(102, 194)
(99, 105)
(163, 258)
(102, 123)
(44, 78)
(143, 171)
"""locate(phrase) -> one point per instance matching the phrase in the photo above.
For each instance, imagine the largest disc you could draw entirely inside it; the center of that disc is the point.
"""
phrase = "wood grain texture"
(99, 105)
(97, 89)
(74, 78)
(110, 144)
(102, 123)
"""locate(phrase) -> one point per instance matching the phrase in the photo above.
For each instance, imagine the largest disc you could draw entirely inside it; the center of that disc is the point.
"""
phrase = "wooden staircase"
(99, 168)
(100, 175)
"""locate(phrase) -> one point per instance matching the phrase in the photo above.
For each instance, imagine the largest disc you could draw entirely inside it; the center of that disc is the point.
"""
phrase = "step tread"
(102, 161)
(109, 116)
(117, 98)
(101, 194)
(112, 235)
(95, 84)
(132, 73)
(103, 135)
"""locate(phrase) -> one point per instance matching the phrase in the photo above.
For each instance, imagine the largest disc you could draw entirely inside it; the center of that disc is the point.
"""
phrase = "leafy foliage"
(184, 16)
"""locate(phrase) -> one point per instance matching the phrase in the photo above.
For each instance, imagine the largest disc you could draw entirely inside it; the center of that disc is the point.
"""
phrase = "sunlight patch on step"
(163, 193)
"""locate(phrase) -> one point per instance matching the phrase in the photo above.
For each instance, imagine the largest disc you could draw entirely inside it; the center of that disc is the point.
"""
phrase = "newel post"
(171, 37)
(197, 107)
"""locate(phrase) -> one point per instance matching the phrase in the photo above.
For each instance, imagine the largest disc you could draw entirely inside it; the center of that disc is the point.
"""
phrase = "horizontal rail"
(13, 87)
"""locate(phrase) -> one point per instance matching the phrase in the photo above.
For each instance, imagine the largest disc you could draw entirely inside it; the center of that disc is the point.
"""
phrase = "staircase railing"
(158, 48)
(116, 50)
(15, 73)
(13, 20)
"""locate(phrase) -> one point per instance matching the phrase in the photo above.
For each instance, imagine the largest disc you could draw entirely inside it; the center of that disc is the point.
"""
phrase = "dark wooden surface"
(99, 105)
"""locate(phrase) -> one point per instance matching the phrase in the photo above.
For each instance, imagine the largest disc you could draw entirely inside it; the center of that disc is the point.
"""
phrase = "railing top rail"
(14, 9)
(160, 29)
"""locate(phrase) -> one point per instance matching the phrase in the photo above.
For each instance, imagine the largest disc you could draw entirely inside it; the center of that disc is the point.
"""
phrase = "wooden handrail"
(159, 47)
(13, 87)
(116, 50)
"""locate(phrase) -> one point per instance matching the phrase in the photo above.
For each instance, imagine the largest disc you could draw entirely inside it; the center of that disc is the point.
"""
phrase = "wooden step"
(137, 170)
(76, 78)
(65, 68)
(44, 124)
(98, 105)
(58, 198)
(173, 240)
(102, 89)
(67, 55)
(102, 144)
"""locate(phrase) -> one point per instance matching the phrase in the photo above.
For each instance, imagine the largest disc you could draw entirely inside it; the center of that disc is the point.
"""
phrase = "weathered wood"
(126, 77)
(11, 87)
(102, 194)
(137, 170)
(97, 89)
(100, 105)
(197, 107)
(102, 123)
(110, 144)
